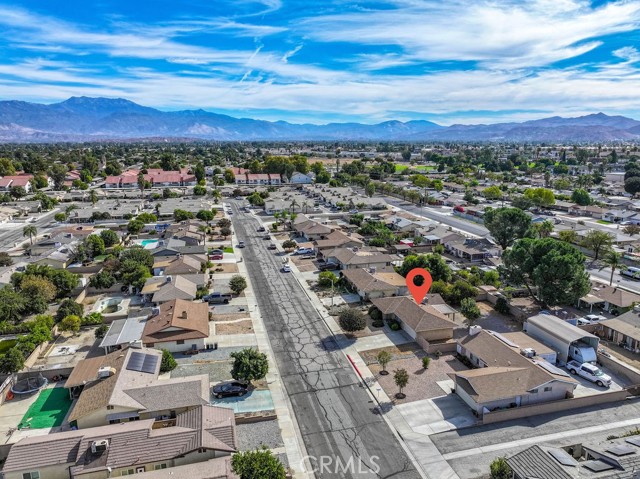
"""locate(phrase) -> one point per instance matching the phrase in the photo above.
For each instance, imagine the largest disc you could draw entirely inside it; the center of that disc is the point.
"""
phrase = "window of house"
(547, 389)
(180, 342)
(159, 466)
(534, 391)
(114, 421)
(128, 472)
(31, 475)
(109, 406)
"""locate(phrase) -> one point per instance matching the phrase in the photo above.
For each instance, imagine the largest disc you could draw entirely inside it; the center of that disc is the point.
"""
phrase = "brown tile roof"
(130, 444)
(494, 383)
(368, 282)
(218, 468)
(614, 295)
(417, 317)
(349, 256)
(190, 319)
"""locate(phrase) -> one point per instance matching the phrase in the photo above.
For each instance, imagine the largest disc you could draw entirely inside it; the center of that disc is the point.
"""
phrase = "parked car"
(304, 251)
(594, 318)
(353, 211)
(329, 267)
(230, 388)
(272, 246)
(217, 298)
(286, 268)
(261, 229)
(590, 372)
(266, 237)
(216, 254)
(241, 244)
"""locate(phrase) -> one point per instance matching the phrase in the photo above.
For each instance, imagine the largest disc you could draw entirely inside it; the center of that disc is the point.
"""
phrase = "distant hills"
(95, 119)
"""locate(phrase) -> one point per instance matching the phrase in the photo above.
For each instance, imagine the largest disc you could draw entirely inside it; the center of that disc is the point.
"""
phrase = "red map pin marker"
(419, 292)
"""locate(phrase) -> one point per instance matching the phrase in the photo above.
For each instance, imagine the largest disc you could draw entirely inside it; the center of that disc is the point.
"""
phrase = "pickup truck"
(590, 372)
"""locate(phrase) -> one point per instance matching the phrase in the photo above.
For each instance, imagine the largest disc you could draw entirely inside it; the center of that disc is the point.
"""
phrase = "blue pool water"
(147, 242)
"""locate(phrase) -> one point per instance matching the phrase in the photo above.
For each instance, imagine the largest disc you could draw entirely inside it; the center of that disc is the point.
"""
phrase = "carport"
(559, 334)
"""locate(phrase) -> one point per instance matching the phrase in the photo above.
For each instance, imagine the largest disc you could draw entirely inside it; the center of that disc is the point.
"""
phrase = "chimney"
(184, 314)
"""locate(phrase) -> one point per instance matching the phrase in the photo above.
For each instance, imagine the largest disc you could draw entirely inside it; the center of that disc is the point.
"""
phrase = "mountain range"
(98, 119)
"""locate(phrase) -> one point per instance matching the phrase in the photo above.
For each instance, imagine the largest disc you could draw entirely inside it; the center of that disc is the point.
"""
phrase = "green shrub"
(425, 362)
(168, 362)
(352, 320)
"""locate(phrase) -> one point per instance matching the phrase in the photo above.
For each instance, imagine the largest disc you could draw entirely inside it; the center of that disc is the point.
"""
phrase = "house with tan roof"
(424, 323)
(123, 386)
(355, 258)
(160, 289)
(179, 326)
(172, 265)
(338, 239)
(609, 298)
(504, 378)
(371, 284)
(623, 330)
(195, 436)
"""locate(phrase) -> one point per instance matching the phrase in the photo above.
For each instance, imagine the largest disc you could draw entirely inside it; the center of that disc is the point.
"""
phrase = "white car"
(304, 251)
(286, 268)
(594, 318)
(590, 372)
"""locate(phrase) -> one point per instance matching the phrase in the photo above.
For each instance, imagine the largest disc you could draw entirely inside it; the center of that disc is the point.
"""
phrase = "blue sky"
(342, 60)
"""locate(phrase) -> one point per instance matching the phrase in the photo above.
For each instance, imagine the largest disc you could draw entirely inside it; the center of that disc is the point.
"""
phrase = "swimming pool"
(149, 243)
(256, 400)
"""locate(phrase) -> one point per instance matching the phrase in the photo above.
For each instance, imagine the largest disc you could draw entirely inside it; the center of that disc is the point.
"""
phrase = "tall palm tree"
(93, 197)
(30, 231)
(544, 229)
(613, 260)
(293, 205)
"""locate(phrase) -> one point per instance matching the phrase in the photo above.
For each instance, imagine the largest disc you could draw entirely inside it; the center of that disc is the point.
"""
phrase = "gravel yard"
(495, 321)
(422, 382)
(228, 317)
(239, 327)
(253, 435)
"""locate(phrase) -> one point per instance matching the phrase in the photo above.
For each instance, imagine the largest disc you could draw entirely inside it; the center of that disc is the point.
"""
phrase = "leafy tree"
(568, 236)
(12, 305)
(135, 226)
(542, 229)
(401, 378)
(95, 245)
(434, 263)
(60, 217)
(456, 292)
(426, 360)
(199, 190)
(229, 177)
(199, 172)
(69, 308)
(327, 279)
(581, 196)
(506, 225)
(597, 241)
(12, 361)
(631, 230)
(255, 199)
(38, 292)
(224, 232)
(289, 244)
(237, 284)
(92, 319)
(205, 215)
(492, 193)
(30, 231)
(18, 192)
(470, 310)
(146, 217)
(109, 238)
(258, 464)
(502, 306)
(101, 331)
(370, 189)
(168, 362)
(249, 365)
(556, 268)
(134, 274)
(70, 323)
(540, 196)
(500, 469)
(224, 223)
(522, 203)
(613, 260)
(5, 259)
(182, 215)
(383, 358)
(352, 320)
(632, 185)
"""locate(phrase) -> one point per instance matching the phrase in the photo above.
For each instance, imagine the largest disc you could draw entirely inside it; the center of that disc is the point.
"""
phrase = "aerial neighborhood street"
(238, 318)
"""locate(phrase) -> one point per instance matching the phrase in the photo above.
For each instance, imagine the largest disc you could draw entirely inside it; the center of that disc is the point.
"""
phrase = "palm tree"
(544, 229)
(30, 231)
(613, 260)
(305, 205)
(93, 197)
(293, 205)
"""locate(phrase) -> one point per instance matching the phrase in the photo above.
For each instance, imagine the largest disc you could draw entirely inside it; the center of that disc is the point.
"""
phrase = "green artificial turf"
(48, 411)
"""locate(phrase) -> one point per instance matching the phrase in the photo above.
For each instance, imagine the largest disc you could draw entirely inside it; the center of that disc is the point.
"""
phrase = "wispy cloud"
(290, 53)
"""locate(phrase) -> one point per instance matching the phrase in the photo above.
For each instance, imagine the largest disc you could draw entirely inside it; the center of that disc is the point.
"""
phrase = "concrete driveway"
(587, 388)
(431, 416)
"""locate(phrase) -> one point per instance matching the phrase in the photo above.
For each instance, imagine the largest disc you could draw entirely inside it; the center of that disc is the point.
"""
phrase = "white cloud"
(499, 34)
(290, 53)
(630, 54)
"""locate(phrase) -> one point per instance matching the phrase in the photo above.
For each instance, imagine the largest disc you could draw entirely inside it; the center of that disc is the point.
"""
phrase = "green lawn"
(603, 222)
(48, 411)
(227, 249)
(422, 168)
(7, 345)
(401, 168)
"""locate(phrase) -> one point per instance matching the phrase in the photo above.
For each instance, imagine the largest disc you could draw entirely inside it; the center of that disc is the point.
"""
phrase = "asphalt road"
(436, 215)
(335, 415)
(11, 234)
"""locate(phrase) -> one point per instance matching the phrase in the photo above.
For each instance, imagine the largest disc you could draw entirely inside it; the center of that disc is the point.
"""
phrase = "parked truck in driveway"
(590, 372)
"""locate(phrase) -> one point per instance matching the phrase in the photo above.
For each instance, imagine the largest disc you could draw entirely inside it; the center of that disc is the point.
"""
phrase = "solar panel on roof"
(135, 361)
(149, 364)
(597, 466)
(634, 440)
(621, 450)
(563, 457)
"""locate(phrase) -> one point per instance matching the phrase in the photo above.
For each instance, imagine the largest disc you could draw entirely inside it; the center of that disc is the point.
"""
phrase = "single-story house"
(179, 326)
(623, 330)
(375, 284)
